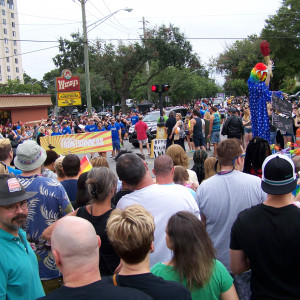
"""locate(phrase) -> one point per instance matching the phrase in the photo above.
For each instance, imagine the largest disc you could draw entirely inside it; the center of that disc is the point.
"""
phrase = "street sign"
(69, 98)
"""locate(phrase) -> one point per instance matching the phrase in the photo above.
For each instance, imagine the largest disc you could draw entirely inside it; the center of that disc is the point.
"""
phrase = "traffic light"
(155, 88)
(165, 87)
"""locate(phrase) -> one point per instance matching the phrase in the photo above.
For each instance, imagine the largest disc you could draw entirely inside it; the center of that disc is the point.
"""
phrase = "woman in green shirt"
(193, 262)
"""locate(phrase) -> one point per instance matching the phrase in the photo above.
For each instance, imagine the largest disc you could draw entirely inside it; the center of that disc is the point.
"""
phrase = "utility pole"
(86, 61)
(147, 63)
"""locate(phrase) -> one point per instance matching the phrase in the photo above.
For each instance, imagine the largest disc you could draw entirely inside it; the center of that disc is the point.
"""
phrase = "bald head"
(76, 242)
(163, 165)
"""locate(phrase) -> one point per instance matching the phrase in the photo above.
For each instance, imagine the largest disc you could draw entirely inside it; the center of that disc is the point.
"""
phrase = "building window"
(0, 69)
(15, 43)
(14, 33)
(2, 2)
(13, 24)
(16, 61)
(9, 77)
(6, 41)
(18, 78)
(15, 51)
(6, 50)
(10, 4)
(4, 21)
(17, 70)
(8, 68)
(3, 12)
(12, 15)
(7, 59)
(0, 77)
(5, 30)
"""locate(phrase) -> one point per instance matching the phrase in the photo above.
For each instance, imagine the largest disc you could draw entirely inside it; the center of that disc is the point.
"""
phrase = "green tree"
(163, 47)
(239, 58)
(16, 87)
(283, 33)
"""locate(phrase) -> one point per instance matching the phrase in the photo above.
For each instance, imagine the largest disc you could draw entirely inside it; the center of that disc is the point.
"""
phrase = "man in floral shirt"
(48, 205)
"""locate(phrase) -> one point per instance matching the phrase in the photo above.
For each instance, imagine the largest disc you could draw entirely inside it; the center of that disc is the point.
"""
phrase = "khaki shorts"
(144, 142)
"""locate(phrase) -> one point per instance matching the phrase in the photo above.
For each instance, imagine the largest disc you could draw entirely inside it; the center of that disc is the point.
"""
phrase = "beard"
(17, 222)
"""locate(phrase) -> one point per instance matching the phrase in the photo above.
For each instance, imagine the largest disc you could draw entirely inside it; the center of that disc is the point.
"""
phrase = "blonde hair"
(99, 161)
(131, 232)
(178, 156)
(58, 168)
(179, 115)
(5, 148)
(3, 168)
(207, 115)
(42, 128)
(209, 167)
(247, 114)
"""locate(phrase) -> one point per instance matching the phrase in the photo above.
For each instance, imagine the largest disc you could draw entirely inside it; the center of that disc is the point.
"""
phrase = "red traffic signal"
(155, 88)
(165, 87)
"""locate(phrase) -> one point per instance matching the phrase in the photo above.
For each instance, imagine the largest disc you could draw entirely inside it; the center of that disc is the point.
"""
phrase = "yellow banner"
(68, 98)
(78, 143)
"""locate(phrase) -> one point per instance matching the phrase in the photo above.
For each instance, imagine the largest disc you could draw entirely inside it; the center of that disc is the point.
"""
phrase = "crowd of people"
(225, 229)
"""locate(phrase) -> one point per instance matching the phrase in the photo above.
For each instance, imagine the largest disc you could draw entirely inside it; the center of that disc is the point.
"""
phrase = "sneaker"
(111, 156)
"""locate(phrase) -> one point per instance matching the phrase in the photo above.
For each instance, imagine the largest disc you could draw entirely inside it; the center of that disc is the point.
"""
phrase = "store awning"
(17, 101)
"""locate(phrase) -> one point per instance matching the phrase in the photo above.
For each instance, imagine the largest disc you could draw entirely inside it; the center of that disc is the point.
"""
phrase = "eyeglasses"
(242, 156)
(13, 208)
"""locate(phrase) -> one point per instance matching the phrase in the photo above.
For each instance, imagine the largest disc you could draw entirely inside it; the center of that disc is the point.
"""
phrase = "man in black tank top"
(196, 130)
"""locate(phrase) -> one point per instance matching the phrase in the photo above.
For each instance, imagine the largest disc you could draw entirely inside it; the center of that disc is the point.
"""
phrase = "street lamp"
(86, 52)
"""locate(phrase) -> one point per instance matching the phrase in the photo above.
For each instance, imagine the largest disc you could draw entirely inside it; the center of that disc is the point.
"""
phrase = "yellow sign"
(78, 143)
(68, 98)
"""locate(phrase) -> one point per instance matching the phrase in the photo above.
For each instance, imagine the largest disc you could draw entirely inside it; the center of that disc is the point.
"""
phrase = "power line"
(29, 52)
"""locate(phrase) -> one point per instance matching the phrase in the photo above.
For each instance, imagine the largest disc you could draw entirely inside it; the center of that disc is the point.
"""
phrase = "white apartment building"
(10, 50)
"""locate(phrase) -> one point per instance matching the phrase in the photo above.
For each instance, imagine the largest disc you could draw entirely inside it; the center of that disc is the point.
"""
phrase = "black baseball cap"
(11, 190)
(278, 175)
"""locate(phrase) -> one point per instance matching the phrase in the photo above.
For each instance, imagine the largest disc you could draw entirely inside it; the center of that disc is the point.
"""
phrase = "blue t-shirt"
(98, 130)
(47, 206)
(91, 128)
(56, 133)
(19, 271)
(122, 127)
(70, 186)
(134, 120)
(13, 170)
(66, 130)
(114, 131)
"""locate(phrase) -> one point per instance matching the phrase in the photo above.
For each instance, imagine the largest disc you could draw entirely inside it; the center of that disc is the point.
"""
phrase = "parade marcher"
(169, 125)
(56, 131)
(65, 128)
(116, 136)
(233, 126)
(196, 130)
(266, 237)
(222, 197)
(50, 203)
(134, 249)
(178, 133)
(214, 128)
(160, 200)
(19, 272)
(75, 247)
(141, 130)
(134, 118)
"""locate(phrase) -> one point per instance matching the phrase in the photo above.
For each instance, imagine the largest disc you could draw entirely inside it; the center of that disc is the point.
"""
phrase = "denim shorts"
(215, 137)
(116, 145)
(247, 130)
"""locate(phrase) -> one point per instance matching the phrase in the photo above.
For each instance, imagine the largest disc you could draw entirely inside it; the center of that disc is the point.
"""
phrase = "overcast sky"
(201, 21)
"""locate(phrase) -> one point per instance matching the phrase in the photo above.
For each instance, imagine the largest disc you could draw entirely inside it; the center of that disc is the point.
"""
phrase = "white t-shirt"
(221, 198)
(193, 177)
(162, 201)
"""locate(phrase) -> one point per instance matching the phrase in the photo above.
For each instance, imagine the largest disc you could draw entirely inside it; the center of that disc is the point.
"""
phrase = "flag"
(85, 165)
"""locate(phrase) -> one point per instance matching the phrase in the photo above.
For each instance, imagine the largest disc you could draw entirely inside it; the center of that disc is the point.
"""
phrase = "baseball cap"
(11, 191)
(278, 175)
